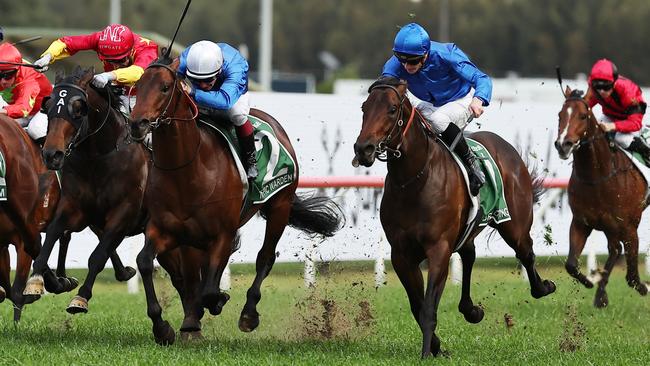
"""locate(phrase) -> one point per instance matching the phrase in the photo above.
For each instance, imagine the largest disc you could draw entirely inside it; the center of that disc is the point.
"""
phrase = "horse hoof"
(191, 336)
(77, 305)
(67, 284)
(29, 299)
(190, 325)
(550, 286)
(3, 294)
(475, 315)
(125, 275)
(601, 301)
(35, 286)
(248, 323)
(215, 302)
(164, 334)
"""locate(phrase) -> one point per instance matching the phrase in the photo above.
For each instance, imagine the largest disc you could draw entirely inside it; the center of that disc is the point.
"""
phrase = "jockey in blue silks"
(451, 88)
(218, 74)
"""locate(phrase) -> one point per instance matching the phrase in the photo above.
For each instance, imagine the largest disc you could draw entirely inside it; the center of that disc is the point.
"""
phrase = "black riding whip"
(169, 49)
(559, 77)
(27, 40)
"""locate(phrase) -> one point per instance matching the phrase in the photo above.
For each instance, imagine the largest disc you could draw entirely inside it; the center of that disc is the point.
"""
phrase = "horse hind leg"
(5, 269)
(614, 247)
(578, 234)
(519, 239)
(23, 264)
(277, 219)
(122, 273)
(212, 297)
(632, 260)
(473, 314)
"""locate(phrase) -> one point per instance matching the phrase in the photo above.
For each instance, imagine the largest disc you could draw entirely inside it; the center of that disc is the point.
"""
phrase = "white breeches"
(238, 114)
(456, 112)
(622, 139)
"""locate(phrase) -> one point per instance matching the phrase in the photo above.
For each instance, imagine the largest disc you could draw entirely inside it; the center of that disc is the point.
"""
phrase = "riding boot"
(639, 146)
(248, 152)
(476, 176)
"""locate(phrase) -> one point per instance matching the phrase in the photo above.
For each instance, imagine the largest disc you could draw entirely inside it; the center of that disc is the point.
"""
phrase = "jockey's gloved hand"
(43, 62)
(187, 87)
(100, 80)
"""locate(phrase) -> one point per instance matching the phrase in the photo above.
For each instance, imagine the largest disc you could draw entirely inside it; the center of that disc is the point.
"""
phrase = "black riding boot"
(638, 145)
(476, 176)
(249, 158)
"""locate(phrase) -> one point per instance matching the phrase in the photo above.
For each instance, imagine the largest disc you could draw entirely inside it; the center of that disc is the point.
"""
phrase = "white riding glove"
(100, 80)
(43, 62)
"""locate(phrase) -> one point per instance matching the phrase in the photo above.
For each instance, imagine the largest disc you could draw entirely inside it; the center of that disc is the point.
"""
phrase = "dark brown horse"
(194, 196)
(600, 170)
(426, 204)
(33, 194)
(103, 181)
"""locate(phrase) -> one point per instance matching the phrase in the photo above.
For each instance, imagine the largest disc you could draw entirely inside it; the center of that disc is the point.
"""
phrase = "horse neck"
(416, 150)
(176, 144)
(594, 159)
(105, 128)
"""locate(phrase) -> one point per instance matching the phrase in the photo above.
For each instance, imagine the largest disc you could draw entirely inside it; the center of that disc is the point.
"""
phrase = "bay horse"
(103, 181)
(195, 195)
(426, 204)
(600, 170)
(33, 194)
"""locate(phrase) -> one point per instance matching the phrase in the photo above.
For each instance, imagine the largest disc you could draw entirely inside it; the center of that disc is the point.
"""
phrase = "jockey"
(451, 88)
(22, 90)
(124, 54)
(218, 76)
(622, 104)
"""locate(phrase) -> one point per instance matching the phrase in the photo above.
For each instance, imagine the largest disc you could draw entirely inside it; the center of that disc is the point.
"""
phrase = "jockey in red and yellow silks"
(22, 90)
(124, 54)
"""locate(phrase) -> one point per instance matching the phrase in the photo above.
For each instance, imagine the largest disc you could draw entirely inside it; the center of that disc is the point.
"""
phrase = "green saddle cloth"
(276, 167)
(492, 198)
(645, 135)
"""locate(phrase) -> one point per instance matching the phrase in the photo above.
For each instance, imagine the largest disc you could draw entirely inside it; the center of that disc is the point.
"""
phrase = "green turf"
(364, 325)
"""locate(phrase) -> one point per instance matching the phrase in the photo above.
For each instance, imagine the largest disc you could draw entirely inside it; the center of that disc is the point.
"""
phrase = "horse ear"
(86, 76)
(567, 91)
(58, 77)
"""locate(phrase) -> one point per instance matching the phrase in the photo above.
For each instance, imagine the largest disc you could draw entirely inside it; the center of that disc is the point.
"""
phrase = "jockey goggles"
(8, 74)
(409, 59)
(603, 85)
(118, 61)
(206, 80)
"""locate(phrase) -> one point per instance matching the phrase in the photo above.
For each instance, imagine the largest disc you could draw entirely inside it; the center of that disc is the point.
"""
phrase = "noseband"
(383, 151)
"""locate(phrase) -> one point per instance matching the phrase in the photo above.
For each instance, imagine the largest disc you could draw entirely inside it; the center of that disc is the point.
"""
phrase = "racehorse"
(602, 170)
(426, 204)
(33, 194)
(103, 181)
(195, 195)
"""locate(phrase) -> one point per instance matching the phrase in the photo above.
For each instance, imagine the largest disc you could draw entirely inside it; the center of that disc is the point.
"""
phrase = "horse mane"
(387, 80)
(109, 94)
(576, 94)
(163, 60)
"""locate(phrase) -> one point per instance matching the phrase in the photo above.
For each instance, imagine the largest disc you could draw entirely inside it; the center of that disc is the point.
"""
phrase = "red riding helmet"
(115, 42)
(604, 69)
(9, 53)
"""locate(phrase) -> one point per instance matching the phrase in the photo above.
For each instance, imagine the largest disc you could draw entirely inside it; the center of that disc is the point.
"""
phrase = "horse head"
(159, 93)
(577, 124)
(383, 122)
(67, 111)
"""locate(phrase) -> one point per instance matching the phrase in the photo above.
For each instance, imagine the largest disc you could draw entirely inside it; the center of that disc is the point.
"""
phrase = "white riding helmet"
(204, 60)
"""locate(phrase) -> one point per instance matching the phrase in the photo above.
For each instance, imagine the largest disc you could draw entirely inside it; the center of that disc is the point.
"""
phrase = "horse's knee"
(145, 263)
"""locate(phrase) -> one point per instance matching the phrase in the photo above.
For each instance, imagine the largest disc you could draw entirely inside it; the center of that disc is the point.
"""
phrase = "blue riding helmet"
(412, 39)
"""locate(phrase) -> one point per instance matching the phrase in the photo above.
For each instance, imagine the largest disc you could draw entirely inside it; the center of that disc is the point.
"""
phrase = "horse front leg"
(632, 260)
(407, 268)
(578, 234)
(473, 314)
(5, 270)
(154, 243)
(219, 251)
(614, 248)
(23, 264)
(438, 256)
(67, 283)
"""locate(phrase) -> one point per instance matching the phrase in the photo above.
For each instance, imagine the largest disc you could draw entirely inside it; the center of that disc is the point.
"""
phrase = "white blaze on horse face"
(569, 112)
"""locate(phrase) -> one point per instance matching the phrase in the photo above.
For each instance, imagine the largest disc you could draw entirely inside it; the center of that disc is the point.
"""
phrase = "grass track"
(117, 330)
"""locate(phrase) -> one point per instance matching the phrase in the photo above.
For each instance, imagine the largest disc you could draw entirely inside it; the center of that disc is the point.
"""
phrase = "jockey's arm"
(24, 100)
(632, 123)
(69, 45)
(467, 70)
(224, 98)
(128, 75)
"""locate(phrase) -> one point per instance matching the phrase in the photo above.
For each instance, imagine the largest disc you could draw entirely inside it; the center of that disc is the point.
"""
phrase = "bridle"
(78, 139)
(383, 151)
(585, 140)
(165, 119)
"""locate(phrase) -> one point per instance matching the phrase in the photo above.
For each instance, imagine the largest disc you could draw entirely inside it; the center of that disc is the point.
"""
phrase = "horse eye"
(583, 117)
(392, 109)
(165, 88)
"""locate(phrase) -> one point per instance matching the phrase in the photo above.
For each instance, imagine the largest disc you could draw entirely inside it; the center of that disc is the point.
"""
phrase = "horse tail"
(316, 215)
(536, 177)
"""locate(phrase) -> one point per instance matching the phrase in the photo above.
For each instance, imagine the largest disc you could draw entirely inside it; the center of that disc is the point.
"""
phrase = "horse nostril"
(567, 145)
(369, 150)
(557, 144)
